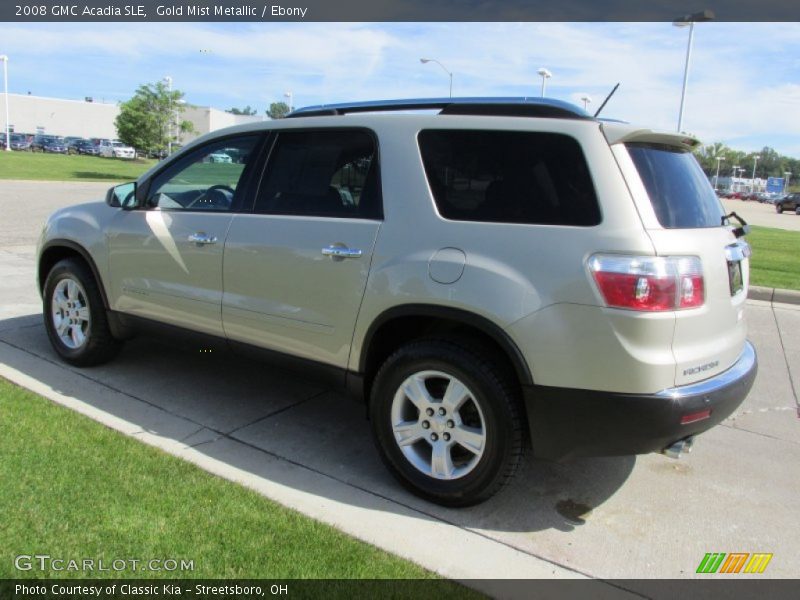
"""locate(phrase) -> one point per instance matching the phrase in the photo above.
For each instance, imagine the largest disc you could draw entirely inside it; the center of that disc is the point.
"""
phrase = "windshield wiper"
(738, 231)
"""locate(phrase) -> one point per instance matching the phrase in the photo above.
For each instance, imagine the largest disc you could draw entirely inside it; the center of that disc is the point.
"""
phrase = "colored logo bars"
(736, 562)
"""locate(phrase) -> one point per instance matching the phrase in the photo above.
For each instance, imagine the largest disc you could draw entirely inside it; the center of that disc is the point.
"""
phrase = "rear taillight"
(649, 283)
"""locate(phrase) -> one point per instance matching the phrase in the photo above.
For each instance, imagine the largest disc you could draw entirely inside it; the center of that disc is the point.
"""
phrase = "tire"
(487, 419)
(71, 290)
(778, 208)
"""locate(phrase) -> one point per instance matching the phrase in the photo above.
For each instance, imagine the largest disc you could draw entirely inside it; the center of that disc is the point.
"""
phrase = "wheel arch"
(401, 324)
(58, 249)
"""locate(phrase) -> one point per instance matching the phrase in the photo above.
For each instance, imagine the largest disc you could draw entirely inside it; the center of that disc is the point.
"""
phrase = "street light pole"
(735, 176)
(168, 81)
(753, 179)
(4, 59)
(689, 20)
(545, 74)
(716, 177)
(586, 99)
(786, 181)
(445, 69)
(290, 97)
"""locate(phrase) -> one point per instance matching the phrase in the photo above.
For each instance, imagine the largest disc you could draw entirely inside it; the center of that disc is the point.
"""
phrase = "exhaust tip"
(675, 450)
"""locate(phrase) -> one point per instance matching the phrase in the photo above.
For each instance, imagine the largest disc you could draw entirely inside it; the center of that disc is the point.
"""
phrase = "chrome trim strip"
(743, 365)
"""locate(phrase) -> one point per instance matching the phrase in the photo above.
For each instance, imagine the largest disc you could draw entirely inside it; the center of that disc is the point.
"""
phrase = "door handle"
(341, 252)
(201, 238)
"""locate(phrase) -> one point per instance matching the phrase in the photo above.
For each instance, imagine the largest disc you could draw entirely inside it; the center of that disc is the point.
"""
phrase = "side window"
(206, 179)
(509, 177)
(327, 173)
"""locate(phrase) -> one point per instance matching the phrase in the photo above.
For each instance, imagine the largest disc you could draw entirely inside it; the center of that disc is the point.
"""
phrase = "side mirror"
(122, 196)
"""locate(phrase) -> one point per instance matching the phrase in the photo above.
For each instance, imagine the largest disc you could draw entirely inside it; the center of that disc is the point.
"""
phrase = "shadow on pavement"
(208, 398)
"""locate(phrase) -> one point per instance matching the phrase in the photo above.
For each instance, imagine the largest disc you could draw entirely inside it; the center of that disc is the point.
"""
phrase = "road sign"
(775, 185)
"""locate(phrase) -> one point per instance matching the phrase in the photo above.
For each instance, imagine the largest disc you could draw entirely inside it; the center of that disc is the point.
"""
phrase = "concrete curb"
(773, 295)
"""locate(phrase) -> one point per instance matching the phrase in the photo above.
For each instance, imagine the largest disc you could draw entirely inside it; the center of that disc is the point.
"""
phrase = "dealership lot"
(763, 214)
(621, 517)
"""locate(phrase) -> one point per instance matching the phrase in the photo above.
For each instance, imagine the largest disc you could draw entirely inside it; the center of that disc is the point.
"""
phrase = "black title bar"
(142, 11)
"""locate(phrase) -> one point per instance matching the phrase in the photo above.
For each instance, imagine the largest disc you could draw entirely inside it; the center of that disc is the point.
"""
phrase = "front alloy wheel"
(75, 317)
(70, 313)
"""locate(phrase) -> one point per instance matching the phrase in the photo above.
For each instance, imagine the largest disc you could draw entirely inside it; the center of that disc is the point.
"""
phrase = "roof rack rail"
(507, 107)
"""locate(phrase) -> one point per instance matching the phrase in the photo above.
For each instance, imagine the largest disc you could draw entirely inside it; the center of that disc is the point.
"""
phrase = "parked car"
(73, 143)
(49, 143)
(86, 147)
(506, 275)
(116, 149)
(770, 197)
(789, 202)
(20, 142)
(55, 145)
(219, 157)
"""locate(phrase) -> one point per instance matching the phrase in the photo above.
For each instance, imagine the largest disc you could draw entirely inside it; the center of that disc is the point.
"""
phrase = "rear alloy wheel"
(446, 422)
(443, 437)
(778, 208)
(75, 317)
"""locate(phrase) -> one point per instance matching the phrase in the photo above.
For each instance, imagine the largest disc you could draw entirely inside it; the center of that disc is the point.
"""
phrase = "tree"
(243, 111)
(278, 110)
(152, 118)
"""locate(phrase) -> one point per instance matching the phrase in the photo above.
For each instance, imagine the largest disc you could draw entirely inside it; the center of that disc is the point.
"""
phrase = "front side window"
(509, 177)
(325, 173)
(206, 180)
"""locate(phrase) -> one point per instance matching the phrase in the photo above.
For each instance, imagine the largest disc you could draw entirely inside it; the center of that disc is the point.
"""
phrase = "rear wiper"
(738, 231)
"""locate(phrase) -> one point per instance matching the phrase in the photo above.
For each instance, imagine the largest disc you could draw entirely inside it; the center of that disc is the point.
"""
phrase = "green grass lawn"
(60, 167)
(776, 258)
(73, 488)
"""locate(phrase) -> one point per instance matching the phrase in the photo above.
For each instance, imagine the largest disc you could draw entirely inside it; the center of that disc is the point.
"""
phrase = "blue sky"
(744, 84)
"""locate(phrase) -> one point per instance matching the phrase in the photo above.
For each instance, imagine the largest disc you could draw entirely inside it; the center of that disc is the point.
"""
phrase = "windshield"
(681, 195)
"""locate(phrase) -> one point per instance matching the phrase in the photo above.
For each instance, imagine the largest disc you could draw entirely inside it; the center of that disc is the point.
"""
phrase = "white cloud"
(743, 82)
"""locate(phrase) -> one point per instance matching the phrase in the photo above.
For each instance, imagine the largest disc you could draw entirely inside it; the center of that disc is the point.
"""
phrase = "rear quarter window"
(509, 177)
(679, 191)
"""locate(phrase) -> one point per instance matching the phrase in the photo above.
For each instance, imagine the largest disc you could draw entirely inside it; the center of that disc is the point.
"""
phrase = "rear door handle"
(202, 238)
(341, 252)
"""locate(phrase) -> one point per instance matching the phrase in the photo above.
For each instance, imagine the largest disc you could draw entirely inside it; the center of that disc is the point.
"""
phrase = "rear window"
(681, 195)
(509, 177)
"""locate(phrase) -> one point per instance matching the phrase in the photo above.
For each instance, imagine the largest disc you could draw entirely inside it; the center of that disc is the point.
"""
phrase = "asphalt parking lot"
(310, 448)
(758, 213)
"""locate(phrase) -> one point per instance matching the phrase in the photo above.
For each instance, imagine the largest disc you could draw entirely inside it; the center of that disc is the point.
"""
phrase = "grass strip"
(75, 489)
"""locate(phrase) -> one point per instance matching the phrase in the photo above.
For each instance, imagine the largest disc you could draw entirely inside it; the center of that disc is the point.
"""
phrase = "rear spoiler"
(617, 133)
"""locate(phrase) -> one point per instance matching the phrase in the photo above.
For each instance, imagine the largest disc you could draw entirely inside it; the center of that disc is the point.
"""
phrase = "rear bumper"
(566, 423)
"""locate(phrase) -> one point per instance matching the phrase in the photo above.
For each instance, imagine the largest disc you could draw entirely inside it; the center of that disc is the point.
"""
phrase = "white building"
(91, 119)
(740, 184)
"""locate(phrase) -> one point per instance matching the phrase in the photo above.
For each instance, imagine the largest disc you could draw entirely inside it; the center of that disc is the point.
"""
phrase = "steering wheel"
(218, 200)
